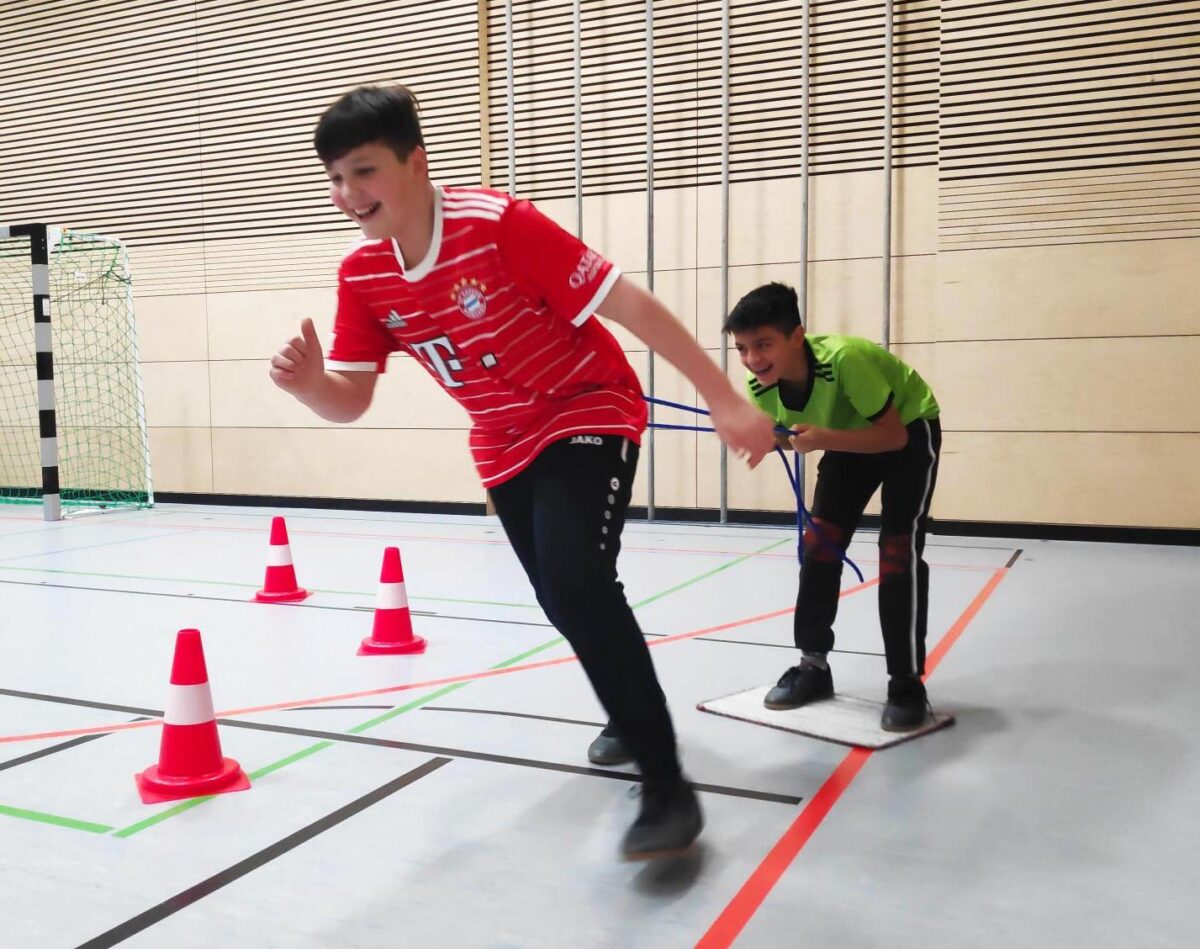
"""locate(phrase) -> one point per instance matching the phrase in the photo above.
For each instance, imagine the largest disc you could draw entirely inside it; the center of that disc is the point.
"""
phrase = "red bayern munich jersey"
(500, 313)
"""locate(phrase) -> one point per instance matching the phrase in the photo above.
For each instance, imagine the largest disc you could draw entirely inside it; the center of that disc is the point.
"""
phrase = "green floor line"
(290, 759)
(197, 801)
(425, 700)
(712, 572)
(163, 815)
(68, 822)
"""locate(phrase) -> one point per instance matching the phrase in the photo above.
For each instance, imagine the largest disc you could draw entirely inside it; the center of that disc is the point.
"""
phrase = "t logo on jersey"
(431, 350)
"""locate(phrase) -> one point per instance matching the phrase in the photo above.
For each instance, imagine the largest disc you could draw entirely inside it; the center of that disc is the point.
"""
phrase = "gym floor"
(445, 799)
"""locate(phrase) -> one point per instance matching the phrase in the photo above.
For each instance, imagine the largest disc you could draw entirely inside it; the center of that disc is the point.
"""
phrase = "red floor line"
(409, 686)
(745, 903)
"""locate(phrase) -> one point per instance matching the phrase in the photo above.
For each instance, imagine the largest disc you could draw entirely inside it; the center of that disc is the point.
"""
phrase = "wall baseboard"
(336, 504)
(1095, 533)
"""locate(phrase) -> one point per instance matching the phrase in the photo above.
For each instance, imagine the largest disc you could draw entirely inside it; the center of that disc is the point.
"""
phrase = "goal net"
(72, 413)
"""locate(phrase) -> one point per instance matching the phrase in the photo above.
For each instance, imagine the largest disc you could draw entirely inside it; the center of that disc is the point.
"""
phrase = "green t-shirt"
(851, 383)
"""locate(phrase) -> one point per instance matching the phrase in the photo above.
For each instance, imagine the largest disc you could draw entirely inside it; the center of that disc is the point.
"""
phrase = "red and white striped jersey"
(500, 314)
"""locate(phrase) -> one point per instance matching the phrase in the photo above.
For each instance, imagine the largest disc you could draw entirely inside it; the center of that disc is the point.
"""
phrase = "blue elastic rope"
(802, 514)
(681, 428)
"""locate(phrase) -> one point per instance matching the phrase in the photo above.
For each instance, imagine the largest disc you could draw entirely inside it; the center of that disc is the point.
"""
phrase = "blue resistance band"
(802, 514)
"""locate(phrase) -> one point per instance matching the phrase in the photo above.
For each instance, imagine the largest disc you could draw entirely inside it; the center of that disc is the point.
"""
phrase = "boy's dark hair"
(386, 114)
(772, 304)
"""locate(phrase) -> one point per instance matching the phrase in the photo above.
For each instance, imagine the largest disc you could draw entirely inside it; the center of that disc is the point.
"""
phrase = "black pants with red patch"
(845, 483)
(563, 515)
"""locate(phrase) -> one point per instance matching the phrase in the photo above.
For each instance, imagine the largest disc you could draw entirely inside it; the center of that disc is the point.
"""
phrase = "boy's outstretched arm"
(746, 430)
(299, 368)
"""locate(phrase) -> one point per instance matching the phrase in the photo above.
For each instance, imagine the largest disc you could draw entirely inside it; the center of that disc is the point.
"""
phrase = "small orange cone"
(392, 632)
(280, 583)
(189, 759)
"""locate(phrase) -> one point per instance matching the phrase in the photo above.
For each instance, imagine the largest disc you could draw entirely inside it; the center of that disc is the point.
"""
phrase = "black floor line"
(193, 894)
(491, 711)
(499, 759)
(250, 600)
(55, 749)
(182, 596)
(410, 746)
(82, 703)
(1013, 559)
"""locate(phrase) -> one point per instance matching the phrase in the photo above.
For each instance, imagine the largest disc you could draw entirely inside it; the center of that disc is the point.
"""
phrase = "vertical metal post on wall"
(805, 85)
(724, 234)
(650, 242)
(888, 54)
(511, 102)
(578, 24)
(485, 103)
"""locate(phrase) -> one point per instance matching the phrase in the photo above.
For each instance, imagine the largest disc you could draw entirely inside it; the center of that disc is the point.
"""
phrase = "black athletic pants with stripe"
(563, 515)
(845, 483)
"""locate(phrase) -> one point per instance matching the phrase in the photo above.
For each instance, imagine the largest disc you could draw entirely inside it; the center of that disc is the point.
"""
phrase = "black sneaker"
(907, 706)
(798, 686)
(608, 749)
(669, 822)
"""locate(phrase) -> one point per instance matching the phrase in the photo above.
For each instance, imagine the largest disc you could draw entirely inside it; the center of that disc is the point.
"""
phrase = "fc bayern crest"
(471, 298)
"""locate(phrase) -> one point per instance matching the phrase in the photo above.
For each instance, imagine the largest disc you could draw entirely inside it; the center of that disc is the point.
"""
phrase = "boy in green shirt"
(876, 420)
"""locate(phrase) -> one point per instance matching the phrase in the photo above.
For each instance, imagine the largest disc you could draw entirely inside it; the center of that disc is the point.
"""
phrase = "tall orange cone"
(280, 583)
(189, 758)
(393, 631)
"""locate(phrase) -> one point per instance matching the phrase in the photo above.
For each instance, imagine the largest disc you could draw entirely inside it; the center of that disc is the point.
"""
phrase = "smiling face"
(378, 191)
(771, 354)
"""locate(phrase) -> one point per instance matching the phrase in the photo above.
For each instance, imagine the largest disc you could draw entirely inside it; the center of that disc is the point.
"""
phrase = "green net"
(103, 453)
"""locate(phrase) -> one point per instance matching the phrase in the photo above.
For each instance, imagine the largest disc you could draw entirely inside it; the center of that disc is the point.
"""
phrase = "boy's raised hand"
(299, 364)
(747, 431)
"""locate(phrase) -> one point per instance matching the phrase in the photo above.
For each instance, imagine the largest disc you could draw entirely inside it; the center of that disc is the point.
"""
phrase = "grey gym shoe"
(607, 748)
(668, 824)
(798, 686)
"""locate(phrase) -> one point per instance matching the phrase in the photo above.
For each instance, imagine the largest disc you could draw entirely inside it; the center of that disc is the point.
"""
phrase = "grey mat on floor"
(843, 719)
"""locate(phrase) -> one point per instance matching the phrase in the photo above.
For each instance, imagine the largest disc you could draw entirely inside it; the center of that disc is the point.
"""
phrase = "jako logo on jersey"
(470, 297)
(586, 270)
(395, 321)
(587, 440)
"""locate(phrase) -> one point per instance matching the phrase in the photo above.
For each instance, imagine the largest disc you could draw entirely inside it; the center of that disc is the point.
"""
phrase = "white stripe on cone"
(189, 705)
(391, 597)
(279, 555)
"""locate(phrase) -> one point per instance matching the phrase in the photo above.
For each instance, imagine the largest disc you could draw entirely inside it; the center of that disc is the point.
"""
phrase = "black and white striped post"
(41, 238)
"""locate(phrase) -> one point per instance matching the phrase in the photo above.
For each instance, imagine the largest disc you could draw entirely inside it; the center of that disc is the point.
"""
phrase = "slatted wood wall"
(184, 126)
(1069, 122)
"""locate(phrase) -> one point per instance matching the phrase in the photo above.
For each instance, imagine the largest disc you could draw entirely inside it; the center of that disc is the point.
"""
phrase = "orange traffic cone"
(280, 583)
(189, 758)
(392, 632)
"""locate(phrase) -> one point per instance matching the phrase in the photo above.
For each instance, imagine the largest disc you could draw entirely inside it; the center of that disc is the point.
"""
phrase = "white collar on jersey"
(421, 270)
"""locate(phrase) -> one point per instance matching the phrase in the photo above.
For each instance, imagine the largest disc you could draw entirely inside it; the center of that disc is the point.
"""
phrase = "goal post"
(72, 410)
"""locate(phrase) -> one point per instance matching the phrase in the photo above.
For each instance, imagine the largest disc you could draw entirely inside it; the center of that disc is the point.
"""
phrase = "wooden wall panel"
(1126, 384)
(396, 464)
(1127, 288)
(1091, 478)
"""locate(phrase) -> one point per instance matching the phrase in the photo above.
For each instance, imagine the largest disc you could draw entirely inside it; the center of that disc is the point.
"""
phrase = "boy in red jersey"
(496, 302)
